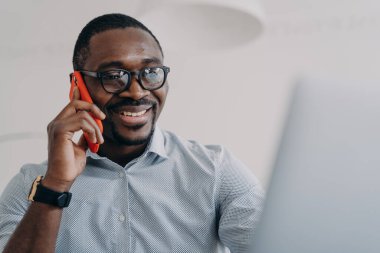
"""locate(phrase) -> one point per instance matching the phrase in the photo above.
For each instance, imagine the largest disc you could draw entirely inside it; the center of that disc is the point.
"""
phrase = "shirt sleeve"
(13, 206)
(240, 204)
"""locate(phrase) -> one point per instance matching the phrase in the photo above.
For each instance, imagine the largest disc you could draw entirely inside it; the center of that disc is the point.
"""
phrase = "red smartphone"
(77, 80)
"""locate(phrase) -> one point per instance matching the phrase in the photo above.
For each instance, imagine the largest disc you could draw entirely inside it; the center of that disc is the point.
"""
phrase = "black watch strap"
(40, 193)
(48, 196)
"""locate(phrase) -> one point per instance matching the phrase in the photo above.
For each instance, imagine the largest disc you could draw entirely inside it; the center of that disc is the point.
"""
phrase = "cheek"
(161, 95)
(99, 96)
(102, 103)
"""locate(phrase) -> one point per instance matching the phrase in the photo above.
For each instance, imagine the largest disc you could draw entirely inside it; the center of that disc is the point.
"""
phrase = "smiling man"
(146, 189)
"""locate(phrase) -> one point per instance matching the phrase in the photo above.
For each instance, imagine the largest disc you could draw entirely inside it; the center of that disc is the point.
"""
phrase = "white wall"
(236, 97)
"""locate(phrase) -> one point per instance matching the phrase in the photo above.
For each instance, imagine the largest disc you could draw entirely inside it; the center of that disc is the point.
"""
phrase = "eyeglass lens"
(116, 80)
(152, 78)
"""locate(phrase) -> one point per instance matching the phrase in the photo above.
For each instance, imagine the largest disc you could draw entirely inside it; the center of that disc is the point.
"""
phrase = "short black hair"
(101, 24)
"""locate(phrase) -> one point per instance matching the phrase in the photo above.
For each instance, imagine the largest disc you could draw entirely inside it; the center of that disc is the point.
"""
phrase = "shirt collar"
(156, 145)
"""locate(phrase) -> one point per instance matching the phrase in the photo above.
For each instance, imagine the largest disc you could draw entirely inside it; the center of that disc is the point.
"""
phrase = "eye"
(152, 74)
(112, 74)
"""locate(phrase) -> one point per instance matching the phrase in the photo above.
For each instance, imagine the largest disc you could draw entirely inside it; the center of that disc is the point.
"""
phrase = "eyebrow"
(151, 60)
(118, 64)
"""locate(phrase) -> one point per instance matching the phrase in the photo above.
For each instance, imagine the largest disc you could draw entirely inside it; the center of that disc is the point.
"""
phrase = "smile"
(133, 114)
(131, 117)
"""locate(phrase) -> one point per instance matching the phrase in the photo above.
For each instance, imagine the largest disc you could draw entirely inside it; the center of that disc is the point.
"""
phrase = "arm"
(238, 221)
(38, 229)
(240, 205)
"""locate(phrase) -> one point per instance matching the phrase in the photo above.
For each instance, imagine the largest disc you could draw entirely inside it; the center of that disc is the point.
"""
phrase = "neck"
(121, 154)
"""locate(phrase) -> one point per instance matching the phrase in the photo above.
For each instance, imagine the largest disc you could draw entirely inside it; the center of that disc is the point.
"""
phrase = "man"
(145, 190)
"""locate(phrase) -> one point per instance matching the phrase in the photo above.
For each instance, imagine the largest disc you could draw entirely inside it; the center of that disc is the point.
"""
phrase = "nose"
(134, 91)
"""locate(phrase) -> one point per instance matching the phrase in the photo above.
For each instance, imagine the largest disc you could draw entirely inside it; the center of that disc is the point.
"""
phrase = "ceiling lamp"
(203, 24)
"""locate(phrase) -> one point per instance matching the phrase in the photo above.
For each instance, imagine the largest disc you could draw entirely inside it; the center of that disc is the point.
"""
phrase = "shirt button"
(121, 218)
(121, 174)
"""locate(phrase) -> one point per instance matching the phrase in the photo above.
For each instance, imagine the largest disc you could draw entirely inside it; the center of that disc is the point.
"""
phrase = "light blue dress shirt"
(179, 196)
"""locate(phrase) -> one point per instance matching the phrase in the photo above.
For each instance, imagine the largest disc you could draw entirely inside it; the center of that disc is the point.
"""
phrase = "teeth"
(133, 114)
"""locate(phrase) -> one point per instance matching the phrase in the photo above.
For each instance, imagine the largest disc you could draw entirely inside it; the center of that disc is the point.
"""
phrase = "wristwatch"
(40, 193)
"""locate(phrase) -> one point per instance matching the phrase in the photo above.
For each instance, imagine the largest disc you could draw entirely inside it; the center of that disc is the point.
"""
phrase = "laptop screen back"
(324, 195)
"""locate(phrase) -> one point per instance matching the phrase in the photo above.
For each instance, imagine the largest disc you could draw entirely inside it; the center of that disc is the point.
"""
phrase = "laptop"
(324, 193)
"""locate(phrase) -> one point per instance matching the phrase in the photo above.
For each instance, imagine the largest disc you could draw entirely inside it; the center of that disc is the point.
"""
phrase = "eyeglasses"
(117, 80)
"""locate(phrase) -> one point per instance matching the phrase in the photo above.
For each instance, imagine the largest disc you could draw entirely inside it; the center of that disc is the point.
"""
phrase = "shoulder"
(32, 170)
(177, 146)
(14, 197)
(28, 174)
(216, 157)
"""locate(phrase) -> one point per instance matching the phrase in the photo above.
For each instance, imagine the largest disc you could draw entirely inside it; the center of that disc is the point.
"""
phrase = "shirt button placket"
(122, 216)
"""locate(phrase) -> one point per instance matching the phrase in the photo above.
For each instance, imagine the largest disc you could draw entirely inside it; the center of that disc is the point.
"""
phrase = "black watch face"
(63, 200)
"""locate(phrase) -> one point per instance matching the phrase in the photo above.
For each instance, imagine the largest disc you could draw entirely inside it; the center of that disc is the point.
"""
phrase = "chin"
(131, 136)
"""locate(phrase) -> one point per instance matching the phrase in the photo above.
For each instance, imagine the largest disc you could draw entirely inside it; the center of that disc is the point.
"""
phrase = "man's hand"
(38, 230)
(67, 159)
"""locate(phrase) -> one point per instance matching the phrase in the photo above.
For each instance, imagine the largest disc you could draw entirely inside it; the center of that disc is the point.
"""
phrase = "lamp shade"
(204, 24)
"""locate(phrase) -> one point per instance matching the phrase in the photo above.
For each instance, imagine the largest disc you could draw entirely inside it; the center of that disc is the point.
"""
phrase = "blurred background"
(233, 64)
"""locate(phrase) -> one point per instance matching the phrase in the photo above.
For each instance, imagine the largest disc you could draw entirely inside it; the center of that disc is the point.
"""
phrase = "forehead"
(130, 47)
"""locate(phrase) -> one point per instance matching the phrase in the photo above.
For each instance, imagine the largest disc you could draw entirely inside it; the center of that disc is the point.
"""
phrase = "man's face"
(131, 49)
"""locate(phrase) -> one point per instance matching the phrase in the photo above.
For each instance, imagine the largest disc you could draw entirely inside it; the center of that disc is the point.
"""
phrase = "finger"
(86, 116)
(76, 93)
(87, 128)
(79, 105)
(68, 126)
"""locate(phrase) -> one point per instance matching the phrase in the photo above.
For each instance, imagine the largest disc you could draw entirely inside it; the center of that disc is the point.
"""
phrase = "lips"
(133, 115)
(131, 108)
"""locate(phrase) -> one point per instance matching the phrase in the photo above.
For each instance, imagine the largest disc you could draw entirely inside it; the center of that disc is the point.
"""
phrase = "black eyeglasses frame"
(100, 75)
